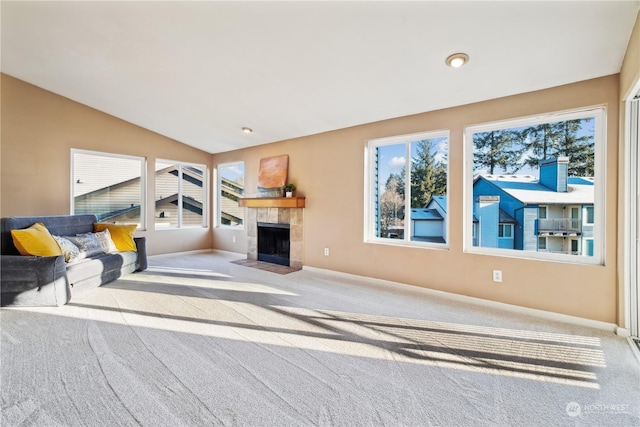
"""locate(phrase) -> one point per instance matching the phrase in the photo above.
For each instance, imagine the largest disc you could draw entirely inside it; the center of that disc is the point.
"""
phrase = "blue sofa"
(49, 281)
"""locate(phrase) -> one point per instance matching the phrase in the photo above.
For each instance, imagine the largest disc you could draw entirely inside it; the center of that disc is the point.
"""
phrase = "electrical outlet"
(233, 239)
(497, 275)
(326, 251)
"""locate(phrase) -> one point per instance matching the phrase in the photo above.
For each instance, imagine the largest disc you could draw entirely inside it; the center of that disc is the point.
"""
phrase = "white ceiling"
(200, 71)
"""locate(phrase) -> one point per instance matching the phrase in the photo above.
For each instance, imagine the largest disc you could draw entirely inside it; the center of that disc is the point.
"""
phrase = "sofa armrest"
(141, 245)
(28, 280)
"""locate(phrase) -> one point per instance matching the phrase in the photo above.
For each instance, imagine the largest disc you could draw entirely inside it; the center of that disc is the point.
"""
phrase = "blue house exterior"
(550, 214)
(521, 212)
(429, 224)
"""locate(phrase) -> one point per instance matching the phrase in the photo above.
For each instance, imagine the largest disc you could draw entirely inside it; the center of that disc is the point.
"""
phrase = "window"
(589, 215)
(231, 188)
(180, 199)
(110, 186)
(574, 246)
(542, 243)
(588, 247)
(537, 172)
(505, 230)
(542, 212)
(407, 200)
(575, 218)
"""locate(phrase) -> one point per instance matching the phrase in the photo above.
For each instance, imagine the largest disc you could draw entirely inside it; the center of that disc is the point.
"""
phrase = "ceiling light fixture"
(457, 60)
(247, 130)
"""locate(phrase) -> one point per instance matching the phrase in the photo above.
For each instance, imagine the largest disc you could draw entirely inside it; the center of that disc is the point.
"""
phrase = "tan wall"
(38, 131)
(630, 70)
(629, 78)
(328, 169)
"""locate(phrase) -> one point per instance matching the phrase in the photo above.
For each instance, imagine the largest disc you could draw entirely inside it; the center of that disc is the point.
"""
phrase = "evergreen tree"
(440, 180)
(441, 177)
(428, 176)
(541, 142)
(579, 149)
(497, 150)
(548, 140)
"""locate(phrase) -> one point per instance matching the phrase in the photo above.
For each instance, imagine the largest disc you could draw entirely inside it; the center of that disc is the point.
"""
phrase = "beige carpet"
(198, 340)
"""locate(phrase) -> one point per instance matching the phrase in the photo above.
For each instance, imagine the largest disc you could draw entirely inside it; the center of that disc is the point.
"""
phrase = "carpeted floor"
(198, 340)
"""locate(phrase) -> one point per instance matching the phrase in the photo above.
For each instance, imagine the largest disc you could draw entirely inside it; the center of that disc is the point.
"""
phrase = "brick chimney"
(554, 173)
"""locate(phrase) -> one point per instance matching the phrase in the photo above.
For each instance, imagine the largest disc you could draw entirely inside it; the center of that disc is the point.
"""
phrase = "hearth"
(274, 243)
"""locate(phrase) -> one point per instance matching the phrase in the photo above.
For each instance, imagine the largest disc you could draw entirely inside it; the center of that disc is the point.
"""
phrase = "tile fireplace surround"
(292, 216)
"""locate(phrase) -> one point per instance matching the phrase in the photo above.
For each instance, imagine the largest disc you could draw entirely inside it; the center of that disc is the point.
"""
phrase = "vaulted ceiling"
(199, 72)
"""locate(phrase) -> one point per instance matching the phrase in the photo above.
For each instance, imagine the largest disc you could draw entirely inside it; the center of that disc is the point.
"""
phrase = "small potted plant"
(289, 189)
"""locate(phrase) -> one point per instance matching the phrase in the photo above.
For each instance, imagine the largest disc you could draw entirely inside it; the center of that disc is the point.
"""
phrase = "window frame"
(501, 230)
(599, 114)
(369, 199)
(218, 196)
(143, 179)
(205, 195)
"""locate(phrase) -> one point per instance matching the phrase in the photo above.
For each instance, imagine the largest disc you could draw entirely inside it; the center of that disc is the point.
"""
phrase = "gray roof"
(425, 214)
(504, 217)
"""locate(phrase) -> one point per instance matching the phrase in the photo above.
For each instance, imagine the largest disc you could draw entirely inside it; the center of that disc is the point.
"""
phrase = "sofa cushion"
(36, 241)
(122, 235)
(99, 265)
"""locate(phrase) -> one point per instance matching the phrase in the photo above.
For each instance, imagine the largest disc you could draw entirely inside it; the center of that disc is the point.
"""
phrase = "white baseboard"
(548, 315)
(229, 253)
(623, 332)
(198, 251)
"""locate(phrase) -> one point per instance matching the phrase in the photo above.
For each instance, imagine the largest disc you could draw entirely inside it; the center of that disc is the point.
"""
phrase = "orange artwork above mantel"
(272, 202)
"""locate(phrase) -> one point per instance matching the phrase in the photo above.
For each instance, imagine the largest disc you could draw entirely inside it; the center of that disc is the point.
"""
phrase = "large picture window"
(180, 199)
(407, 189)
(231, 188)
(543, 177)
(110, 186)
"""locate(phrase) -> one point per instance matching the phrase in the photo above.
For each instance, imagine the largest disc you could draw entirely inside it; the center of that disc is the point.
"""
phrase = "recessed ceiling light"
(457, 60)
(247, 130)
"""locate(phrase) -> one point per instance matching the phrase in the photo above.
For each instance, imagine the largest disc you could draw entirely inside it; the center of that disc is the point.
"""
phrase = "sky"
(392, 158)
(233, 172)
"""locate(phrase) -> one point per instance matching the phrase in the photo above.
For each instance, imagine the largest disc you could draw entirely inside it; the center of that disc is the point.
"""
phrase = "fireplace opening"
(273, 243)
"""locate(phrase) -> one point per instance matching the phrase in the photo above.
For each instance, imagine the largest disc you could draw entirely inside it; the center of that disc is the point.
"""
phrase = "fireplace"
(288, 217)
(274, 243)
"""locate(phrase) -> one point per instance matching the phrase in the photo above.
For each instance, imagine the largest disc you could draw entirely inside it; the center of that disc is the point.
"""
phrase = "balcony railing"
(561, 225)
(559, 252)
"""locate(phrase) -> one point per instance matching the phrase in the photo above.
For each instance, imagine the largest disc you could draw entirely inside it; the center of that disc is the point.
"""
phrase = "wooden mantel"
(272, 202)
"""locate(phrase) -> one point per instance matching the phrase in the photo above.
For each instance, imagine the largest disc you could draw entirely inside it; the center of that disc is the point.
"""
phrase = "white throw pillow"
(106, 242)
(70, 251)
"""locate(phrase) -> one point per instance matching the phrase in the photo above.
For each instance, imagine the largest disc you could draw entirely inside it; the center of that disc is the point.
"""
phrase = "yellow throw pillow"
(35, 241)
(122, 235)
